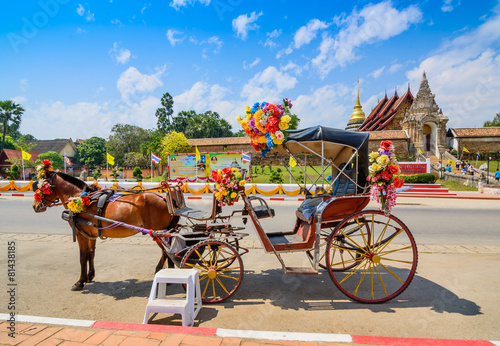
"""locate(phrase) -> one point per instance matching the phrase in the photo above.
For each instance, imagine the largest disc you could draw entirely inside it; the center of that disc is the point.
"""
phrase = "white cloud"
(374, 23)
(19, 100)
(23, 84)
(245, 23)
(268, 85)
(121, 55)
(171, 33)
(215, 42)
(326, 105)
(464, 74)
(293, 67)
(377, 73)
(308, 32)
(177, 4)
(80, 10)
(254, 63)
(395, 68)
(116, 21)
(89, 17)
(270, 35)
(449, 5)
(133, 82)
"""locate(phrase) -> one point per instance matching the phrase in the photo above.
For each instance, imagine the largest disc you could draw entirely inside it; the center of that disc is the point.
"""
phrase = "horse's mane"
(77, 182)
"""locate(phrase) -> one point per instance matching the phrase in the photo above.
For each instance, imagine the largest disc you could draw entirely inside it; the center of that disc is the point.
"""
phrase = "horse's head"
(44, 193)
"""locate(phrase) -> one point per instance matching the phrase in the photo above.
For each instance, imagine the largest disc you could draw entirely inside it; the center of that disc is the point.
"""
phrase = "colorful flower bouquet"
(382, 171)
(228, 182)
(266, 124)
(45, 166)
(78, 204)
(45, 189)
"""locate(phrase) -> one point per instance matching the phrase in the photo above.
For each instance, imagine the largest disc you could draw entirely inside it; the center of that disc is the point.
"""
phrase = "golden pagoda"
(357, 116)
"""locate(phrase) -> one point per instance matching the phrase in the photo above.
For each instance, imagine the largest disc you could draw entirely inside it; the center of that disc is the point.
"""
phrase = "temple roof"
(474, 132)
(384, 112)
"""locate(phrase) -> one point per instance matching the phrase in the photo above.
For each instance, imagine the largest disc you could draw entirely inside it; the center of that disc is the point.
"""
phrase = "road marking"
(283, 336)
(49, 320)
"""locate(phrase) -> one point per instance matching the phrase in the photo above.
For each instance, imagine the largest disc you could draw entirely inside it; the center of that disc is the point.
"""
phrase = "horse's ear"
(90, 188)
(35, 185)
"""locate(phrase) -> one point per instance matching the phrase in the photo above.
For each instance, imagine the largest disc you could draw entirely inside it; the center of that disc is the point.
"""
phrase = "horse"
(147, 210)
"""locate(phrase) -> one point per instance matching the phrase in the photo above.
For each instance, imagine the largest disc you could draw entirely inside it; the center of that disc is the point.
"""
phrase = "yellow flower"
(285, 118)
(283, 125)
(242, 183)
(374, 168)
(224, 192)
(261, 139)
(233, 195)
(383, 160)
(373, 156)
(217, 186)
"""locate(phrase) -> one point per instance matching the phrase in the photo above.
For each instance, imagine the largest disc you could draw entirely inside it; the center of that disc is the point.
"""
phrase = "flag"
(478, 156)
(451, 162)
(473, 169)
(26, 156)
(110, 159)
(66, 159)
(155, 158)
(420, 151)
(198, 156)
(292, 162)
(465, 149)
(245, 158)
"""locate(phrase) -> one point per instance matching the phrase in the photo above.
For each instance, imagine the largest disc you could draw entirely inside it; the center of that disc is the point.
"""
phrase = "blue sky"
(78, 67)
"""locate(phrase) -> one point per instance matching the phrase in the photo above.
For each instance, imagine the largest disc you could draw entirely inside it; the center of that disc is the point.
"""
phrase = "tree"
(137, 173)
(13, 172)
(153, 144)
(164, 114)
(10, 116)
(174, 142)
(494, 122)
(124, 139)
(208, 125)
(8, 143)
(135, 159)
(92, 152)
(56, 159)
(181, 121)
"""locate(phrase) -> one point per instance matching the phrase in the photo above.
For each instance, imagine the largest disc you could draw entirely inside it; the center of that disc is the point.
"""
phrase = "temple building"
(416, 121)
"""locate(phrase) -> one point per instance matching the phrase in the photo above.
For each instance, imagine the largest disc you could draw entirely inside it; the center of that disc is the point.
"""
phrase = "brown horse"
(148, 210)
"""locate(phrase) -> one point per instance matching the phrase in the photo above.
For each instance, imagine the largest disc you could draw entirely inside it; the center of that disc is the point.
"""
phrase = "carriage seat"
(262, 210)
(343, 186)
(307, 209)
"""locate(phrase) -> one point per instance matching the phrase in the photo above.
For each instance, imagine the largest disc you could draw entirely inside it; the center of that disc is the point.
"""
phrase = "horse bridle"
(41, 182)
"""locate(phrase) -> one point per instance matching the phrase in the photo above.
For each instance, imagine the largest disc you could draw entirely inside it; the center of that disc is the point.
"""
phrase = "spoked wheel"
(371, 257)
(324, 237)
(220, 267)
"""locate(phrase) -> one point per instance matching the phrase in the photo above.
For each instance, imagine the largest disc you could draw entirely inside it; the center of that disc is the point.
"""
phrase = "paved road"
(454, 295)
(431, 220)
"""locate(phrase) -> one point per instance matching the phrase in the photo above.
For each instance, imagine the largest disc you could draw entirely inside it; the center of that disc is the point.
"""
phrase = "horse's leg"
(91, 254)
(83, 244)
(164, 258)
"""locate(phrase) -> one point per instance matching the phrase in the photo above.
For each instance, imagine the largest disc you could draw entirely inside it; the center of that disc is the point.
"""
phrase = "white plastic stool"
(159, 303)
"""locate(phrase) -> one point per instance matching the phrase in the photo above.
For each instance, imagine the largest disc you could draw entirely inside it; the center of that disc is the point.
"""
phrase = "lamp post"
(488, 171)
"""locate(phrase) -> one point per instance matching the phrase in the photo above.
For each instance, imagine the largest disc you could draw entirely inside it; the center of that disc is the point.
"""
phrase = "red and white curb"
(252, 334)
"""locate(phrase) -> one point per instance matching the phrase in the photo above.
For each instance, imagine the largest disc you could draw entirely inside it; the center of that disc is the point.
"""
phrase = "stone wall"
(480, 144)
(400, 146)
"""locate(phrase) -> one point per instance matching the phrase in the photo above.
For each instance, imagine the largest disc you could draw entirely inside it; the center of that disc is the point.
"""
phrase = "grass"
(454, 186)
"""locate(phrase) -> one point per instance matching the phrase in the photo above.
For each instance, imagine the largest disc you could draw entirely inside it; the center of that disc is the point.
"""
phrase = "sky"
(78, 68)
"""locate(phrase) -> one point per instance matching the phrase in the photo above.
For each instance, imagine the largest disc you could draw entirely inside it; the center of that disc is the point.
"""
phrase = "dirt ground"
(455, 293)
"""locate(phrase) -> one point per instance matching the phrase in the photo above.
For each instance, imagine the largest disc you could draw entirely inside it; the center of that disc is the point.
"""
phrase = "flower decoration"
(45, 189)
(266, 124)
(228, 181)
(78, 204)
(45, 166)
(382, 177)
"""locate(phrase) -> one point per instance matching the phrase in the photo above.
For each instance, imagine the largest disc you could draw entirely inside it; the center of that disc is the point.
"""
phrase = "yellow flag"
(292, 162)
(465, 149)
(26, 156)
(110, 159)
(420, 151)
(451, 162)
(198, 156)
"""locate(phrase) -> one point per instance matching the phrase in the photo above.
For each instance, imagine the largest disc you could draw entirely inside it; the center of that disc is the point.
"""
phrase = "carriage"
(370, 255)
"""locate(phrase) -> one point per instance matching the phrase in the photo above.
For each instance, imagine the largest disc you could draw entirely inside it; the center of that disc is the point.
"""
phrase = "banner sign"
(413, 168)
(185, 166)
(220, 161)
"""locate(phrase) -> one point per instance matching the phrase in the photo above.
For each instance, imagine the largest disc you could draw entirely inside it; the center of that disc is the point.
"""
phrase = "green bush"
(276, 177)
(424, 178)
(137, 173)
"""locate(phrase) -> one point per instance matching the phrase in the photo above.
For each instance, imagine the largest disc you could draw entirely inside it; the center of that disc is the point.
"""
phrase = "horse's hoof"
(77, 288)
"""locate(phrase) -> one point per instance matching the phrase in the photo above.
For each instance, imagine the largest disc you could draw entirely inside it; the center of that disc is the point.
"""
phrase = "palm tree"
(10, 112)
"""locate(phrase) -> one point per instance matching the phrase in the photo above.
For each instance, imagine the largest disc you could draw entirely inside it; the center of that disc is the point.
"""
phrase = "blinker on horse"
(146, 210)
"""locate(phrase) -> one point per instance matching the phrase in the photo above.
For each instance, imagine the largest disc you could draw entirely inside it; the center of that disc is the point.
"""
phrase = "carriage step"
(301, 270)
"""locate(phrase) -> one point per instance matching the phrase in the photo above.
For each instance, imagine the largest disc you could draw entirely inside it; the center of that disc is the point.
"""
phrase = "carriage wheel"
(220, 267)
(371, 257)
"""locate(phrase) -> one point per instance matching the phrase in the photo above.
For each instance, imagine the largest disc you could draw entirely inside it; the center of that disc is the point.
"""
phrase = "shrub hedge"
(424, 178)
